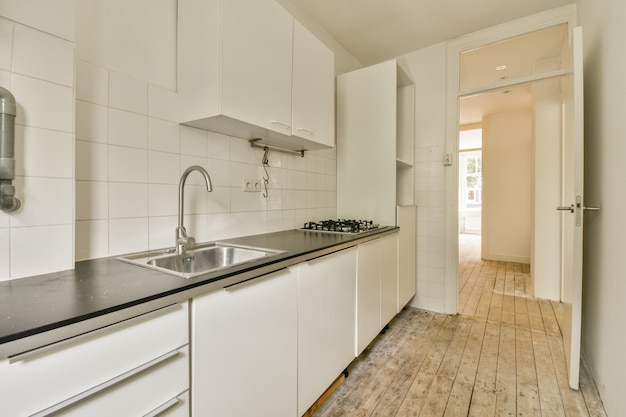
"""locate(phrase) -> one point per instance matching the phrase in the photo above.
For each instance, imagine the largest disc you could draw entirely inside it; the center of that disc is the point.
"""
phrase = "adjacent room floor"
(501, 356)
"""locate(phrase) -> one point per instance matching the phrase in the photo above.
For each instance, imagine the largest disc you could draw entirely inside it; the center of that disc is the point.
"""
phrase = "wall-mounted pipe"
(8, 201)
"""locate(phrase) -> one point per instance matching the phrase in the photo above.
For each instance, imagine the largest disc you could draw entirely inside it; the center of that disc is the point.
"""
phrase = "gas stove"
(341, 226)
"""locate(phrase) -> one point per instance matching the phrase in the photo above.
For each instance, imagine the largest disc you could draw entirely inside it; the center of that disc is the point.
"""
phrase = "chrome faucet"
(183, 241)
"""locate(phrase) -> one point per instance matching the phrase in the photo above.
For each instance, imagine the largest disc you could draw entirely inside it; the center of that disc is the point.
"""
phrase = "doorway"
(517, 160)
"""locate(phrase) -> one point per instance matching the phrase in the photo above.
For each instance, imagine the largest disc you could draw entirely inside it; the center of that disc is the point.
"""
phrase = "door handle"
(566, 208)
(591, 208)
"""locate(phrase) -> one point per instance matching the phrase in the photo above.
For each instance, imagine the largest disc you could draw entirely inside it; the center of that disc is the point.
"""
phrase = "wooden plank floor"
(501, 356)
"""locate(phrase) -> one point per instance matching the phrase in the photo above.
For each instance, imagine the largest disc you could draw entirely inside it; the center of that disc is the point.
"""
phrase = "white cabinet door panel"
(388, 278)
(368, 294)
(244, 344)
(326, 320)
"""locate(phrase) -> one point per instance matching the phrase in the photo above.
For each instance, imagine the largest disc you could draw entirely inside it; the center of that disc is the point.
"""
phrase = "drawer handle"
(280, 124)
(52, 410)
(253, 280)
(307, 131)
(164, 407)
(29, 354)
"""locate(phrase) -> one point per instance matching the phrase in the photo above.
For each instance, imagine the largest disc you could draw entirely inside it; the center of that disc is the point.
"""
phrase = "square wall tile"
(163, 168)
(163, 136)
(92, 83)
(5, 245)
(28, 243)
(92, 239)
(219, 200)
(162, 103)
(196, 199)
(197, 227)
(44, 153)
(239, 150)
(218, 226)
(239, 224)
(92, 200)
(92, 161)
(6, 44)
(128, 129)
(219, 171)
(219, 146)
(128, 93)
(92, 122)
(42, 56)
(43, 104)
(162, 232)
(128, 235)
(128, 200)
(194, 142)
(46, 201)
(162, 200)
(128, 164)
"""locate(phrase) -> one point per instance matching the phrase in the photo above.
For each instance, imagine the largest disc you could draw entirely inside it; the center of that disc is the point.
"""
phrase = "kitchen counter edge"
(24, 340)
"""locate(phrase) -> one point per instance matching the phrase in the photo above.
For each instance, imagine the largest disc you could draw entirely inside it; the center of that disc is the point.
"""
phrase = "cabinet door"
(388, 278)
(326, 320)
(368, 294)
(244, 344)
(256, 53)
(313, 107)
(407, 281)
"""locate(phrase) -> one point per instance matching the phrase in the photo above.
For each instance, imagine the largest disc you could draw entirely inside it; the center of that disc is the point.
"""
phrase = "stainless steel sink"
(200, 260)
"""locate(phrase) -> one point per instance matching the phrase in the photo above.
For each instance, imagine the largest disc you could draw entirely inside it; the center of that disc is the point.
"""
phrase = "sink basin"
(200, 260)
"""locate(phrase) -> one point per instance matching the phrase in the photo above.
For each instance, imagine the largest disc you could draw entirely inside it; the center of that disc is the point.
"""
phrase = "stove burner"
(341, 226)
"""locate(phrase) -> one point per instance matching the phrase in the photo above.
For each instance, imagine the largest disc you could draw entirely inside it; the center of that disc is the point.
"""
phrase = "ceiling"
(377, 30)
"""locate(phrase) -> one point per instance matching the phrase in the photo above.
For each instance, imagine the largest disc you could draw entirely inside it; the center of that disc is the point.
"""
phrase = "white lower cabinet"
(244, 348)
(326, 320)
(137, 367)
(377, 288)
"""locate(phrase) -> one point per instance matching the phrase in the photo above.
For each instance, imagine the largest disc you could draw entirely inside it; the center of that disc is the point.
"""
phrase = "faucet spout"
(183, 241)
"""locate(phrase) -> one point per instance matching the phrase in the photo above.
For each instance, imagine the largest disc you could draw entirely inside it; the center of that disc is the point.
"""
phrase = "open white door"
(572, 199)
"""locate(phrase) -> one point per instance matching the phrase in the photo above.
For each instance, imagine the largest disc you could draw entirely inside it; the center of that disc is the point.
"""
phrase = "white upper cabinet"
(313, 95)
(241, 63)
(256, 55)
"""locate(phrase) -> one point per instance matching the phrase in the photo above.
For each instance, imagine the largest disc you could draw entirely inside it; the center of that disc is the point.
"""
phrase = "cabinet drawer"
(60, 371)
(159, 391)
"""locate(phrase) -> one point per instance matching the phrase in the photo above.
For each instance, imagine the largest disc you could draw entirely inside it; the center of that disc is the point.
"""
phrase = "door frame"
(564, 14)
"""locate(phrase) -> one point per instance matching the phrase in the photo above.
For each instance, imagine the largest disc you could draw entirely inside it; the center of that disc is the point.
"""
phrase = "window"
(470, 170)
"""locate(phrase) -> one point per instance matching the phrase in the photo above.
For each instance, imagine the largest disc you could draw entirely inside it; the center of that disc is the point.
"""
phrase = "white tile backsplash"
(163, 135)
(43, 104)
(128, 164)
(92, 83)
(128, 235)
(92, 239)
(92, 161)
(43, 153)
(128, 93)
(5, 247)
(46, 201)
(38, 69)
(135, 174)
(128, 200)
(92, 122)
(28, 243)
(6, 44)
(41, 56)
(128, 129)
(162, 103)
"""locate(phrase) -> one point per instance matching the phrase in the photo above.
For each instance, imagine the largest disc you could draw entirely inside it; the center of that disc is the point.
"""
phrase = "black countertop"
(35, 305)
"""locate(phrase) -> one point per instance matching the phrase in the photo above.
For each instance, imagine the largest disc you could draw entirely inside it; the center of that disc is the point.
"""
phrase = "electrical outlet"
(251, 186)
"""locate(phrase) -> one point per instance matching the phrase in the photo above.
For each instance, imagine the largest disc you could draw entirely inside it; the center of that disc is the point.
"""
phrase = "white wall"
(37, 66)
(604, 286)
(428, 68)
(507, 162)
(130, 151)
